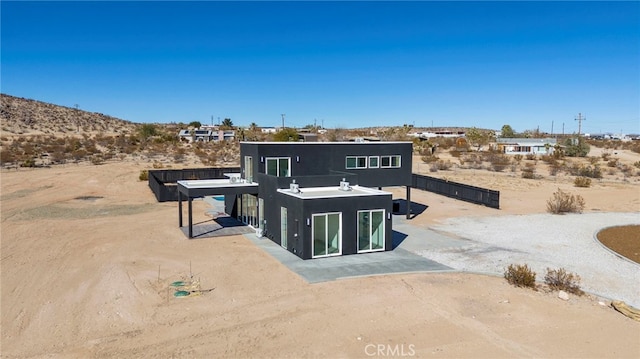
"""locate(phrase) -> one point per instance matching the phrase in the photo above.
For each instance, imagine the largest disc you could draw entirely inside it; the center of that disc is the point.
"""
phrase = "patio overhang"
(191, 189)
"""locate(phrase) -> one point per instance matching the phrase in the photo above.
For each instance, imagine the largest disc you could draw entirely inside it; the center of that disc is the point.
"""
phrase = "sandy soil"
(88, 255)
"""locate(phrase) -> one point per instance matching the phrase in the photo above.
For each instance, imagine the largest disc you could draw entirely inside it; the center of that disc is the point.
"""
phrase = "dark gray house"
(315, 199)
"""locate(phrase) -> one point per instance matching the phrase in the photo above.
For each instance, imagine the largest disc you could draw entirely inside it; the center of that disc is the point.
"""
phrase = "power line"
(580, 119)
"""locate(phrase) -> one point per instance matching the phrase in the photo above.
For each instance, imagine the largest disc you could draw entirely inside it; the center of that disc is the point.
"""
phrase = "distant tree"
(478, 137)
(195, 124)
(576, 147)
(507, 132)
(336, 135)
(286, 135)
(147, 130)
(227, 123)
(253, 127)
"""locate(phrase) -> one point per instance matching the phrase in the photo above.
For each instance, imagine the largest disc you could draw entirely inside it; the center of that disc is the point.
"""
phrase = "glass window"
(278, 166)
(390, 161)
(248, 169)
(327, 234)
(395, 161)
(354, 162)
(373, 162)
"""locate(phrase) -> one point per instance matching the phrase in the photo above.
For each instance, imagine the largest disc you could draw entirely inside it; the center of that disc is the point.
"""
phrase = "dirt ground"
(88, 256)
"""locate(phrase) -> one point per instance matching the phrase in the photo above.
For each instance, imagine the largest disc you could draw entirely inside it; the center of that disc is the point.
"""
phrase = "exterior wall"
(301, 211)
(323, 158)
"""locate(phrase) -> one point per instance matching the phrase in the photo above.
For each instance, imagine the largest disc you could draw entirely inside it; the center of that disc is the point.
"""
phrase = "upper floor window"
(390, 161)
(278, 166)
(374, 161)
(359, 162)
(356, 162)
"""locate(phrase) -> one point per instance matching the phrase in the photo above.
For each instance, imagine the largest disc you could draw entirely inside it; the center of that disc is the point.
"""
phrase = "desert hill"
(31, 117)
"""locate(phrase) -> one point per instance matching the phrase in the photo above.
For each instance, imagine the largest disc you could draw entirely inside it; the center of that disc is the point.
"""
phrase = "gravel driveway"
(490, 244)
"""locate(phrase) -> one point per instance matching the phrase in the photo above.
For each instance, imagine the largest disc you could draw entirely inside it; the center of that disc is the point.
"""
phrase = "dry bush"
(531, 157)
(144, 175)
(429, 158)
(564, 202)
(605, 156)
(518, 158)
(582, 182)
(520, 275)
(584, 171)
(440, 165)
(613, 162)
(499, 162)
(529, 171)
(593, 160)
(560, 279)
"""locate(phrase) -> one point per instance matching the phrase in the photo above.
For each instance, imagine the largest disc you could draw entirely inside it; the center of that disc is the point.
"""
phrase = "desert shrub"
(6, 156)
(518, 158)
(440, 165)
(584, 171)
(144, 175)
(29, 162)
(564, 202)
(613, 162)
(560, 279)
(454, 152)
(430, 158)
(499, 162)
(520, 275)
(593, 160)
(605, 156)
(97, 159)
(637, 164)
(626, 170)
(531, 157)
(157, 165)
(529, 171)
(582, 182)
(555, 167)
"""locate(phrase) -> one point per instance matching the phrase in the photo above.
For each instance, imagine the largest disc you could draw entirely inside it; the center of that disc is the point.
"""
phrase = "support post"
(408, 202)
(190, 216)
(180, 209)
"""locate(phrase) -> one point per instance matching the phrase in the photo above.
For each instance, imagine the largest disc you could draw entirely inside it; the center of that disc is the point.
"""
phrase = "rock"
(602, 303)
(563, 295)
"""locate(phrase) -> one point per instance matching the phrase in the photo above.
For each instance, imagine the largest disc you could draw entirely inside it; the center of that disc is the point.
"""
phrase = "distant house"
(434, 134)
(525, 146)
(206, 134)
(269, 130)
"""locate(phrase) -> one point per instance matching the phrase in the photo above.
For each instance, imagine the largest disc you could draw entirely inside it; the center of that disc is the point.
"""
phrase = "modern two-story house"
(315, 199)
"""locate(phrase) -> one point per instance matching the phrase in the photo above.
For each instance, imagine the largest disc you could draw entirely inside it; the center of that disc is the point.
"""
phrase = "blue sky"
(341, 64)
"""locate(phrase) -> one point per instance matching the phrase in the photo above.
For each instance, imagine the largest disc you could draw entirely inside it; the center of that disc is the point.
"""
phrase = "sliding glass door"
(327, 234)
(371, 230)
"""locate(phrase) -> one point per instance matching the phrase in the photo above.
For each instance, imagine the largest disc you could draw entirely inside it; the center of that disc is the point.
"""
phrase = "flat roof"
(214, 183)
(333, 192)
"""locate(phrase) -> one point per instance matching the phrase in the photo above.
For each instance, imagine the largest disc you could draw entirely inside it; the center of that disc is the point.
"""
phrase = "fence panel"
(461, 191)
(163, 182)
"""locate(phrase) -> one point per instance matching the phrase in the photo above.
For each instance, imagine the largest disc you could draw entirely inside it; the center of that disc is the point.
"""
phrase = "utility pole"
(551, 128)
(283, 120)
(580, 119)
(211, 120)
